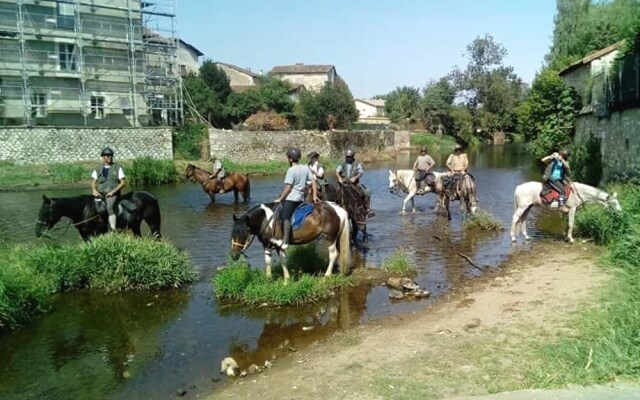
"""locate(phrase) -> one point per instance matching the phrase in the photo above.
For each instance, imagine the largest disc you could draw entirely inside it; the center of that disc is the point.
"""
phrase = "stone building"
(609, 90)
(240, 79)
(313, 77)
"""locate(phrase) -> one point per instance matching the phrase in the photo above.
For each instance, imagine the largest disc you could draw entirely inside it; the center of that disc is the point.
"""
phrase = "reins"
(246, 244)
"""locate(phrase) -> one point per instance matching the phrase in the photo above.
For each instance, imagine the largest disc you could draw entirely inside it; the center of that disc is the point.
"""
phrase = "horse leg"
(572, 216)
(333, 255)
(365, 236)
(404, 204)
(235, 195)
(517, 218)
(523, 221)
(267, 263)
(413, 204)
(135, 228)
(212, 196)
(285, 270)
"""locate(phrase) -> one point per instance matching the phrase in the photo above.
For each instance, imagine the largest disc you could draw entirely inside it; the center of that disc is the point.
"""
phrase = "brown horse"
(232, 182)
(327, 220)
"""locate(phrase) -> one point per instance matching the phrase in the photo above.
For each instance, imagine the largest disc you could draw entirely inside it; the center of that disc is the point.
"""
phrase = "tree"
(332, 105)
(403, 106)
(437, 99)
(207, 93)
(216, 79)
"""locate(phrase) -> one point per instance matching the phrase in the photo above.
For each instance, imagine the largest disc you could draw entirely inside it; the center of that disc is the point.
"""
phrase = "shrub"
(149, 171)
(267, 121)
(188, 141)
(67, 172)
(483, 220)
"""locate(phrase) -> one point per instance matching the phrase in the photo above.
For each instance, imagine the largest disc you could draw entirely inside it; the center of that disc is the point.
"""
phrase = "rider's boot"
(220, 186)
(562, 206)
(286, 234)
(112, 222)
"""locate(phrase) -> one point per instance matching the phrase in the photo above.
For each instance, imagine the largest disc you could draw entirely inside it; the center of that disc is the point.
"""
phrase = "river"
(136, 345)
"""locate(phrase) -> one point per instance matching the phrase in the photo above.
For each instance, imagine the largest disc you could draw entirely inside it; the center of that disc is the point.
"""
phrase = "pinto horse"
(527, 195)
(403, 179)
(327, 219)
(347, 196)
(233, 182)
(463, 190)
(89, 222)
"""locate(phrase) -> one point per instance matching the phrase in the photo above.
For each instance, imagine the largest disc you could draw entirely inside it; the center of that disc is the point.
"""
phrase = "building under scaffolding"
(89, 63)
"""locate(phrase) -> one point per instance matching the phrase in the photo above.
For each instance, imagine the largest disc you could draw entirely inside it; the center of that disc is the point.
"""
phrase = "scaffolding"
(89, 63)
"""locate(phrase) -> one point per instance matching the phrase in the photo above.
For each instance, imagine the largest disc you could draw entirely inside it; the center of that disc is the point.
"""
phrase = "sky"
(375, 45)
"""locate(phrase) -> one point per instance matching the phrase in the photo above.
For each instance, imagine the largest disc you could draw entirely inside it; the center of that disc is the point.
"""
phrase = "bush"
(332, 107)
(267, 121)
(586, 161)
(149, 171)
(65, 173)
(29, 274)
(483, 220)
(444, 143)
(188, 141)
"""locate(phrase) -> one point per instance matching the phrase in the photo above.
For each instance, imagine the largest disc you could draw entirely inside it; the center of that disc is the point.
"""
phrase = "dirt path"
(476, 341)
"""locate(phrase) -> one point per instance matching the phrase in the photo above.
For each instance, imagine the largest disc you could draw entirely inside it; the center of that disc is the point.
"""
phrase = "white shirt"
(94, 174)
(316, 168)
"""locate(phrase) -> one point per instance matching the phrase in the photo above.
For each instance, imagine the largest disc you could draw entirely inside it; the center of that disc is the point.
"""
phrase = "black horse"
(348, 196)
(89, 221)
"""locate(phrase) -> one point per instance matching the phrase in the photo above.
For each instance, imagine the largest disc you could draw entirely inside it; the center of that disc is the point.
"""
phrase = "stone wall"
(619, 136)
(47, 145)
(253, 147)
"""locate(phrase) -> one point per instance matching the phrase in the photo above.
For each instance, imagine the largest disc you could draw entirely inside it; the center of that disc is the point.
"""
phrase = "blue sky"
(375, 45)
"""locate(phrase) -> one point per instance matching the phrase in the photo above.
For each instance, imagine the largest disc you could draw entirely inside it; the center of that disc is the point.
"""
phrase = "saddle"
(300, 214)
(429, 178)
(124, 209)
(549, 194)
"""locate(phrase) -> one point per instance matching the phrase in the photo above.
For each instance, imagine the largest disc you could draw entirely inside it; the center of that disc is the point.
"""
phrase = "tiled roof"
(593, 56)
(301, 69)
(373, 102)
(241, 70)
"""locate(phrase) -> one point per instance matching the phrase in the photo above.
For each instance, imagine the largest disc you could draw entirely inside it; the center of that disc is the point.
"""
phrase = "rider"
(317, 171)
(457, 164)
(108, 180)
(293, 193)
(423, 165)
(348, 170)
(556, 173)
(219, 172)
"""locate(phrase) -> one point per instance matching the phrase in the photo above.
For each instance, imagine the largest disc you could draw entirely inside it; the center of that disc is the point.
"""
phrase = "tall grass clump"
(240, 283)
(68, 173)
(433, 142)
(29, 274)
(484, 221)
(398, 264)
(606, 343)
(149, 171)
(188, 141)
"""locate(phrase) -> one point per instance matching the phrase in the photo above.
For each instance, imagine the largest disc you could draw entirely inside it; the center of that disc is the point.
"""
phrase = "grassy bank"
(29, 275)
(142, 171)
(242, 284)
(606, 343)
(434, 143)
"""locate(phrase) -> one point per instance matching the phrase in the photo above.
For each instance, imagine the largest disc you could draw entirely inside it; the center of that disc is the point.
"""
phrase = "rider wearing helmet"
(351, 172)
(293, 193)
(219, 173)
(108, 181)
(556, 173)
(423, 165)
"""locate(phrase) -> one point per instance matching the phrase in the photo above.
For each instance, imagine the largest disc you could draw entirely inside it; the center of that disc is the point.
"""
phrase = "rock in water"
(253, 369)
(408, 284)
(394, 283)
(395, 294)
(229, 366)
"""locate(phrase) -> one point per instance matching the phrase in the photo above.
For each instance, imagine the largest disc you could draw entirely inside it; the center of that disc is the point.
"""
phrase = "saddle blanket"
(299, 215)
(549, 194)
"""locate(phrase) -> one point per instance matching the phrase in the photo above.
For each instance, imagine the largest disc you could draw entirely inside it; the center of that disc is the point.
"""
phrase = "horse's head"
(48, 216)
(393, 182)
(190, 172)
(612, 201)
(240, 234)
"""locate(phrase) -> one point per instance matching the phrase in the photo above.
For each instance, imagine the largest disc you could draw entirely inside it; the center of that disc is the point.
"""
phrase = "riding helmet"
(458, 146)
(349, 153)
(313, 154)
(294, 154)
(106, 152)
(565, 153)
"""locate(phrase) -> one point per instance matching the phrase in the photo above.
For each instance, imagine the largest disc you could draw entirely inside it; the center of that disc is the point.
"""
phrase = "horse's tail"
(247, 189)
(344, 243)
(151, 214)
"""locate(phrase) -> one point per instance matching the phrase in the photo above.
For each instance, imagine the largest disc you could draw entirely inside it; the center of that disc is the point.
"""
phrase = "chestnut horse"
(232, 182)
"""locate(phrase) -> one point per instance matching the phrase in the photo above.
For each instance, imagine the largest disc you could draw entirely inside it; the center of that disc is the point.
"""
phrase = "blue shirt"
(557, 173)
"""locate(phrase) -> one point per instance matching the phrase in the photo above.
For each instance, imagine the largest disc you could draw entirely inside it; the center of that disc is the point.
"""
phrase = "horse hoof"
(403, 213)
(527, 238)
(513, 240)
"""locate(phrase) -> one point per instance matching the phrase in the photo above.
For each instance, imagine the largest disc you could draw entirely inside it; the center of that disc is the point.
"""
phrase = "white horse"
(528, 195)
(404, 179)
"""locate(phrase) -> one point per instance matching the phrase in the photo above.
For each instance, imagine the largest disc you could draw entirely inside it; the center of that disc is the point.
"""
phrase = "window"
(38, 105)
(67, 57)
(66, 16)
(183, 70)
(97, 107)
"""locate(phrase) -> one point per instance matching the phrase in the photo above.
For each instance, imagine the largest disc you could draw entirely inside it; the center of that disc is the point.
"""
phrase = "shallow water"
(132, 345)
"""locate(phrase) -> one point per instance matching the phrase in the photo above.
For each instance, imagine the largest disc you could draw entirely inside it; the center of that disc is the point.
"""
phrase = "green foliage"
(200, 99)
(398, 264)
(67, 172)
(216, 80)
(433, 142)
(331, 107)
(586, 160)
(149, 171)
(271, 94)
(403, 106)
(188, 140)
(461, 124)
(238, 282)
(484, 221)
(30, 274)
(605, 345)
(437, 99)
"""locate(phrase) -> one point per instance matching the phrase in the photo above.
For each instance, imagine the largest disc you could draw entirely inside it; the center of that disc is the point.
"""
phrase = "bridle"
(248, 242)
(53, 228)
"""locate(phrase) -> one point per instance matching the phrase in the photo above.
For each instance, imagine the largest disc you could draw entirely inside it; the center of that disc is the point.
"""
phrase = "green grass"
(606, 343)
(110, 263)
(242, 284)
(398, 264)
(484, 221)
(149, 171)
(443, 144)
